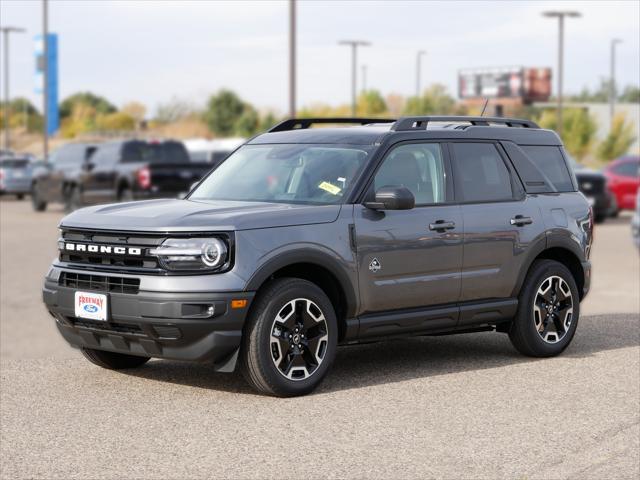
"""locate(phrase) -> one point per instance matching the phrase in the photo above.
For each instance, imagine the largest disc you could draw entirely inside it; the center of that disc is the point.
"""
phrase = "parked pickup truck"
(118, 171)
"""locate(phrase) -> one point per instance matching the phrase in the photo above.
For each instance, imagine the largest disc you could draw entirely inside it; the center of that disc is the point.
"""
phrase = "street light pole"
(612, 81)
(418, 69)
(354, 44)
(560, 15)
(292, 58)
(45, 77)
(364, 78)
(5, 34)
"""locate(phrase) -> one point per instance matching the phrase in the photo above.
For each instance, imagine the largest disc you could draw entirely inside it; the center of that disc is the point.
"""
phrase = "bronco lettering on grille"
(108, 249)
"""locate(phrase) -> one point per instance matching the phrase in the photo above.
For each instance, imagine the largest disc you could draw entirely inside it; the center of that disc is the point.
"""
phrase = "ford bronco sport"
(304, 239)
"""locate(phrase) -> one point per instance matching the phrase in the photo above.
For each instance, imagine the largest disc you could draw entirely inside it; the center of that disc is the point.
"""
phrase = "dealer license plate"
(92, 306)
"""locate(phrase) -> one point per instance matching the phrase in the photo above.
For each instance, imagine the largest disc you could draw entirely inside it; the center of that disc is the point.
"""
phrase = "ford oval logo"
(90, 308)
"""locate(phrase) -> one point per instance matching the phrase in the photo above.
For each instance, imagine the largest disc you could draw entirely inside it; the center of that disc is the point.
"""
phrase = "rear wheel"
(20, 196)
(39, 205)
(291, 338)
(111, 360)
(548, 310)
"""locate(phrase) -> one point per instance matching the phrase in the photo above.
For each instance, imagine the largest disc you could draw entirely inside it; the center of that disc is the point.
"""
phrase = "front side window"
(418, 167)
(286, 173)
(481, 173)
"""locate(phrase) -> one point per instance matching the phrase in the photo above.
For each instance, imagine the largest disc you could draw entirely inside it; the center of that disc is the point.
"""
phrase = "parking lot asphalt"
(465, 406)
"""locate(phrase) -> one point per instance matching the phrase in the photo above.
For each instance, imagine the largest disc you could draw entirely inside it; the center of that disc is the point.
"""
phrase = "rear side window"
(549, 159)
(480, 173)
(627, 169)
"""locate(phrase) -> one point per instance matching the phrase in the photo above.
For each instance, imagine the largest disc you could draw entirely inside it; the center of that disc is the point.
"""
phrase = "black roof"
(523, 132)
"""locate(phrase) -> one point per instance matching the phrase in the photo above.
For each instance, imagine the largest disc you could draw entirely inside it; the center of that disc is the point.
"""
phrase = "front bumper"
(156, 324)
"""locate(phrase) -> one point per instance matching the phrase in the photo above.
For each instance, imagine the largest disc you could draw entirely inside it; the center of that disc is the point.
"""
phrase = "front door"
(411, 259)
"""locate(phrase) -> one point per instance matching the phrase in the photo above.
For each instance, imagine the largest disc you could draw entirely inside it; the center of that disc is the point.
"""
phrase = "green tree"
(267, 121)
(630, 94)
(434, 101)
(224, 109)
(247, 124)
(22, 114)
(618, 141)
(117, 121)
(100, 104)
(370, 102)
(578, 129)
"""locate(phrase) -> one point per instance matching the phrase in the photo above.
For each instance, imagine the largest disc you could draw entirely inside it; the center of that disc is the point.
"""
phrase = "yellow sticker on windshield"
(330, 187)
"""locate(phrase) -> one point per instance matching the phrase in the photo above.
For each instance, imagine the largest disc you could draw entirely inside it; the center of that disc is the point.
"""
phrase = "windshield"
(309, 174)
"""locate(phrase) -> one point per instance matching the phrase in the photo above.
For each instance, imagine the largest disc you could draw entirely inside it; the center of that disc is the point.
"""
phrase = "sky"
(153, 51)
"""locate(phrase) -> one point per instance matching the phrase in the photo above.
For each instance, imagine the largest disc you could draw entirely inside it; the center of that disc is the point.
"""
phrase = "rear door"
(410, 259)
(500, 221)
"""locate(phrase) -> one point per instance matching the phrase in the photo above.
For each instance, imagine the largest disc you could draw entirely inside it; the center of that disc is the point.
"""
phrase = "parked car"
(124, 171)
(623, 176)
(593, 185)
(54, 180)
(304, 239)
(15, 176)
(635, 222)
(212, 151)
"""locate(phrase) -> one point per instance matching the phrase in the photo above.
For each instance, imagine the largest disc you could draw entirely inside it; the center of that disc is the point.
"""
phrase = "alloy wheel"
(553, 309)
(299, 339)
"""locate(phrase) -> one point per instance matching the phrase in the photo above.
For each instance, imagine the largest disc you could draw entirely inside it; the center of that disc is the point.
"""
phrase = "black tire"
(524, 334)
(614, 213)
(600, 217)
(38, 204)
(20, 196)
(111, 360)
(260, 349)
(72, 199)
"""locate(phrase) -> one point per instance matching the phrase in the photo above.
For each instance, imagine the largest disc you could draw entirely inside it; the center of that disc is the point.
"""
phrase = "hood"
(197, 215)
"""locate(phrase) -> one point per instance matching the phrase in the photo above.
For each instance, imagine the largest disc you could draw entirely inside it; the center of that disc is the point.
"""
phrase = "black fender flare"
(313, 256)
(561, 239)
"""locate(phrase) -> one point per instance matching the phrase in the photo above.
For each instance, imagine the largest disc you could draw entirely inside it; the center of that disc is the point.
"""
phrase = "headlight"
(191, 253)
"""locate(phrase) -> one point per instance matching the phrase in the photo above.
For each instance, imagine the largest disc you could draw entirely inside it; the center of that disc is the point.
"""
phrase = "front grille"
(111, 261)
(105, 326)
(99, 283)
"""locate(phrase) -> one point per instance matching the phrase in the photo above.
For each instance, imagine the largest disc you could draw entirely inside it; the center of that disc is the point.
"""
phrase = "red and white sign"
(92, 306)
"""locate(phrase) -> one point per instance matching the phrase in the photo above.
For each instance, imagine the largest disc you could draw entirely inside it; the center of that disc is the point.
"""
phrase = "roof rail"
(420, 123)
(302, 123)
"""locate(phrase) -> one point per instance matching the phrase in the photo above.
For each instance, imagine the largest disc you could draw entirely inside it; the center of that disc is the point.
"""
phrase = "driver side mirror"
(392, 198)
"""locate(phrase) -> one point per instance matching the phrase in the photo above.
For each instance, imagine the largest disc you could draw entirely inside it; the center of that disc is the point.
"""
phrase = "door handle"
(520, 220)
(442, 225)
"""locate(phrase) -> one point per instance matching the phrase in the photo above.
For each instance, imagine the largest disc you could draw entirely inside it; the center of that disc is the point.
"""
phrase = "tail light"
(144, 178)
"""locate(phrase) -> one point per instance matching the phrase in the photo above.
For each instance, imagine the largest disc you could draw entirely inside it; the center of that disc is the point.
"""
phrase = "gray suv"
(305, 239)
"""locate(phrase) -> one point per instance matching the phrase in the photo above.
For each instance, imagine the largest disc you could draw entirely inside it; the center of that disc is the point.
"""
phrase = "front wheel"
(290, 339)
(37, 202)
(111, 360)
(548, 310)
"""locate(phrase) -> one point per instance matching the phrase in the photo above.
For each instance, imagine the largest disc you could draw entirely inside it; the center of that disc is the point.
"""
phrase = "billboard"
(527, 84)
(53, 116)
